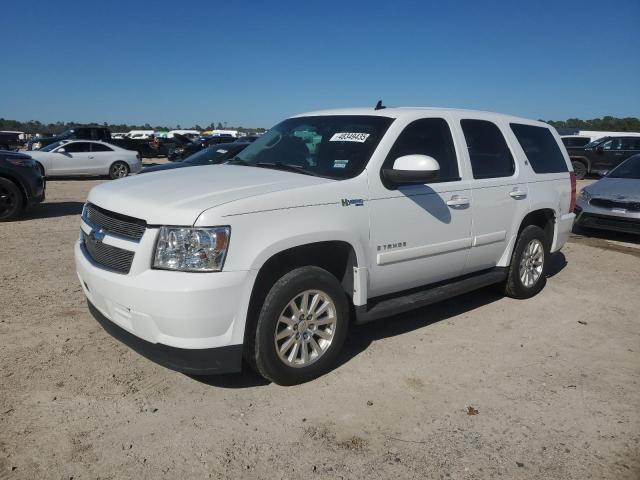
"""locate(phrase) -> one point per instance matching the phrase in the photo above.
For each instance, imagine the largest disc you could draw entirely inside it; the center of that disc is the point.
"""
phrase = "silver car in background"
(613, 202)
(86, 157)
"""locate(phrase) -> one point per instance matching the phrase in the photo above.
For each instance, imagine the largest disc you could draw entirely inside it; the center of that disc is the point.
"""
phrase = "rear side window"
(98, 147)
(490, 156)
(428, 136)
(540, 147)
(77, 147)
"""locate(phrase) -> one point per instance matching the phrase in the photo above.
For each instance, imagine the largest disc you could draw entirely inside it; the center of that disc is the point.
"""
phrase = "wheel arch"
(543, 217)
(338, 257)
(584, 160)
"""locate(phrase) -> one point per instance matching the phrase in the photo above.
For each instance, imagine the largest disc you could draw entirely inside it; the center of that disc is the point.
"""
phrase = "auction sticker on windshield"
(349, 137)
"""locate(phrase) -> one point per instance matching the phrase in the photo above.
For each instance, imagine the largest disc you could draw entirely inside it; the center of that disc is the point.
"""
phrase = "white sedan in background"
(86, 157)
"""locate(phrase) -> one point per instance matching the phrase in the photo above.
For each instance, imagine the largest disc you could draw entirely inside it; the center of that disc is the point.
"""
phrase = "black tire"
(514, 286)
(580, 169)
(11, 200)
(265, 356)
(118, 170)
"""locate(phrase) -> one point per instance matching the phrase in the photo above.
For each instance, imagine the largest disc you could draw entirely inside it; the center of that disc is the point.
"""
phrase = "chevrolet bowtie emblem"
(97, 235)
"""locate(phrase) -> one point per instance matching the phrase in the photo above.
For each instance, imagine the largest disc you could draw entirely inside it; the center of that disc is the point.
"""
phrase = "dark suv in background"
(75, 133)
(21, 184)
(603, 154)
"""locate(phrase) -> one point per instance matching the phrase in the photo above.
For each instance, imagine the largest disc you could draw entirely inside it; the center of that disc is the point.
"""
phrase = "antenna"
(379, 105)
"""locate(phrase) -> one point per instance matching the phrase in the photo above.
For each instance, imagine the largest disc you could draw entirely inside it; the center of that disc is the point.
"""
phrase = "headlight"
(22, 162)
(192, 249)
(584, 195)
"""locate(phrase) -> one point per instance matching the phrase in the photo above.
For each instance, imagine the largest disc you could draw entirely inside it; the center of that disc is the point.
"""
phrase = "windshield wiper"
(238, 161)
(286, 166)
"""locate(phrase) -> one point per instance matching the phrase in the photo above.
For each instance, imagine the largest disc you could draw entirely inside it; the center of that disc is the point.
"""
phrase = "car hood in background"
(166, 166)
(616, 188)
(178, 198)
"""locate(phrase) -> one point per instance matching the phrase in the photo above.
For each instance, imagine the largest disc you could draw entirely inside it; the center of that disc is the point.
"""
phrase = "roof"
(397, 112)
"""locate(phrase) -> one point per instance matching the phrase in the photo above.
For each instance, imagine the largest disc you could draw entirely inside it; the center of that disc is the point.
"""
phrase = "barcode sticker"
(349, 137)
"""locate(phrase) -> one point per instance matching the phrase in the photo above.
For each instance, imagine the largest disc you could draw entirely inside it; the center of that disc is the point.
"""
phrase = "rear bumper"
(205, 361)
(561, 233)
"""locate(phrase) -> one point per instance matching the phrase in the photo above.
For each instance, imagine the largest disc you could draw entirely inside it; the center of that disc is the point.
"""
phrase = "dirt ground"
(553, 382)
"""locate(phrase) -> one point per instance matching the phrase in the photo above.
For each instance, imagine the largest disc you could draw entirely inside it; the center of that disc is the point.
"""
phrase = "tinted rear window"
(540, 147)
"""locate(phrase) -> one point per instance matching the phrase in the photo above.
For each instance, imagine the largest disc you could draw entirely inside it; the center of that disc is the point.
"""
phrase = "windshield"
(209, 156)
(630, 168)
(52, 146)
(337, 147)
(596, 142)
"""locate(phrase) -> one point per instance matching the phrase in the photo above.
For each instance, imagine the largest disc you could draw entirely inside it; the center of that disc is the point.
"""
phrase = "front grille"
(107, 256)
(608, 203)
(115, 223)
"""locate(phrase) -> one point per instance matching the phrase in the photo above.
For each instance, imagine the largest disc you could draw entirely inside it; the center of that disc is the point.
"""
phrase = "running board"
(389, 305)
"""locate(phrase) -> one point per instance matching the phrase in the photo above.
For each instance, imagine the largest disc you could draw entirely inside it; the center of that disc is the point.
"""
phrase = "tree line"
(613, 124)
(35, 126)
(608, 123)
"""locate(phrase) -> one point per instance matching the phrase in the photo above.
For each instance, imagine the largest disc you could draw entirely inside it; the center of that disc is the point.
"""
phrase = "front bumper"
(617, 220)
(170, 313)
(206, 361)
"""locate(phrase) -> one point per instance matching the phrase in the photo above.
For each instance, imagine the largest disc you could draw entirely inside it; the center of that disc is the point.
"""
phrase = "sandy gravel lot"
(555, 381)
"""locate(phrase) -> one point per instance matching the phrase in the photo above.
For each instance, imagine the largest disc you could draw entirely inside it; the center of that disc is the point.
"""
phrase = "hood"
(178, 197)
(613, 188)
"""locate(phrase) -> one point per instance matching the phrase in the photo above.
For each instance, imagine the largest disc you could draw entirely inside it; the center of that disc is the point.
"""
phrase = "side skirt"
(401, 302)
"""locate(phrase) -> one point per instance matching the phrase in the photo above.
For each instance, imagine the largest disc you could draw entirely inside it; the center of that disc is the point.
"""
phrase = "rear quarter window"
(540, 147)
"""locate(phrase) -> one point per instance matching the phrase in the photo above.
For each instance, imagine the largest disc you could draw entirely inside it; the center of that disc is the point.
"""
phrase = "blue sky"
(254, 63)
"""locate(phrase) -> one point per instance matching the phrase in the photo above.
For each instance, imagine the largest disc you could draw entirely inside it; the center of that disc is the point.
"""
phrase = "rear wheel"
(301, 327)
(118, 170)
(11, 200)
(580, 169)
(526, 276)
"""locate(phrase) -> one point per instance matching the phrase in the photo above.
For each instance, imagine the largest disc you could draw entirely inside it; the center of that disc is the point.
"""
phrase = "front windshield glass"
(208, 156)
(336, 146)
(51, 146)
(630, 168)
(595, 142)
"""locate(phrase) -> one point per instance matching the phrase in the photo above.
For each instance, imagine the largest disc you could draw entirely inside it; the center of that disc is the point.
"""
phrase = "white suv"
(330, 217)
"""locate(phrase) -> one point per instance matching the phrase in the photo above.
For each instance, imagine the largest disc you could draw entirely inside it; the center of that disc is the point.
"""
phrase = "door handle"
(518, 194)
(458, 201)
(90, 156)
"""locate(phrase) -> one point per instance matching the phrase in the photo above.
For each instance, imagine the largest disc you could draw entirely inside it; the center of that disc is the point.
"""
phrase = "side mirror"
(599, 149)
(603, 173)
(61, 150)
(412, 169)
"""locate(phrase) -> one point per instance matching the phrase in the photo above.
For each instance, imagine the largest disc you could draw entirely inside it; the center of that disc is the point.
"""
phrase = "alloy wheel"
(305, 329)
(531, 263)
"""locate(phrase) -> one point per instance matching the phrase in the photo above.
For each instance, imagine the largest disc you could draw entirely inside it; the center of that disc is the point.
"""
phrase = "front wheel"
(118, 170)
(526, 276)
(301, 327)
(11, 200)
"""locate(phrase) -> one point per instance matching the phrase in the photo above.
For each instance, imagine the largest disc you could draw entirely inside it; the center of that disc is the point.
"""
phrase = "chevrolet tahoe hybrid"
(330, 217)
